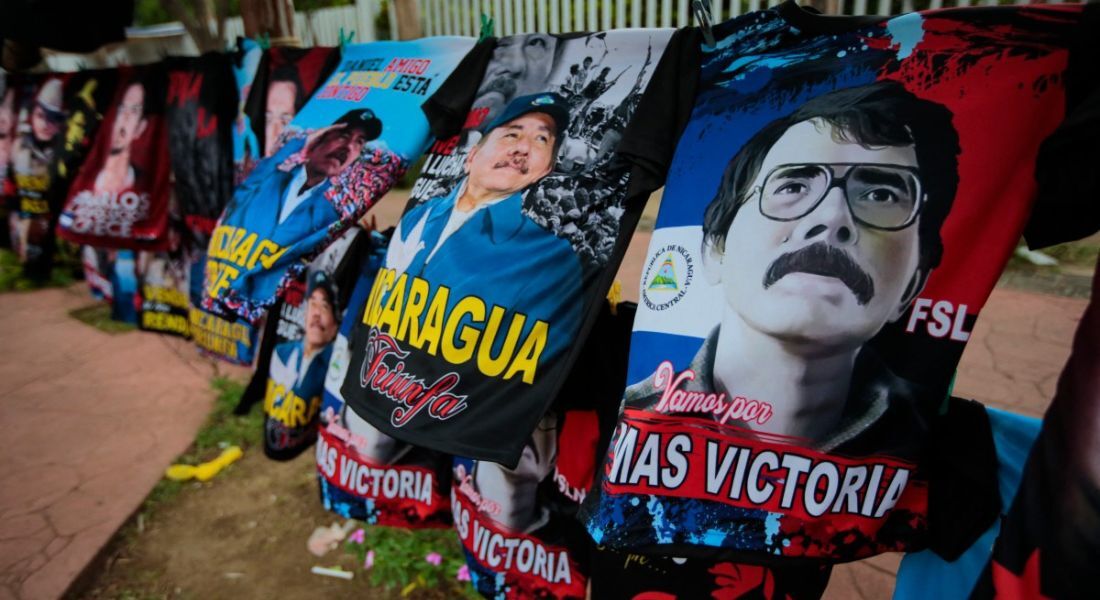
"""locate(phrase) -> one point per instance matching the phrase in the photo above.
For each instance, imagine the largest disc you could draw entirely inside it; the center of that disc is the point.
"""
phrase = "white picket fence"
(463, 17)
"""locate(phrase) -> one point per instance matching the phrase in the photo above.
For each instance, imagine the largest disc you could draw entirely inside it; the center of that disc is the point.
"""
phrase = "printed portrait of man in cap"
(296, 377)
(287, 190)
(476, 239)
(824, 228)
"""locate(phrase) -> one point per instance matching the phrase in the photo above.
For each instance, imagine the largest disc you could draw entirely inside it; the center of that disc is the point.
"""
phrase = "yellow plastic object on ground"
(206, 470)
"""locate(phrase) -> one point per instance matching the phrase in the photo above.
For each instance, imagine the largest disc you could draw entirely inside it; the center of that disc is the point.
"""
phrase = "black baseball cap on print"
(364, 120)
(548, 103)
(320, 280)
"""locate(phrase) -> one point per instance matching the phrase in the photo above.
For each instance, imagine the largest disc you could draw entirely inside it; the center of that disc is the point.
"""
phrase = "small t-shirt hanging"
(231, 340)
(511, 237)
(285, 80)
(200, 111)
(111, 277)
(848, 191)
(162, 293)
(246, 146)
(365, 474)
(532, 508)
(119, 198)
(98, 264)
(308, 316)
(344, 150)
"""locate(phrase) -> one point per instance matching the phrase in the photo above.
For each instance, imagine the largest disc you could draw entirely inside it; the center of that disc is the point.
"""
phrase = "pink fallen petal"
(434, 558)
(368, 562)
(357, 536)
(463, 573)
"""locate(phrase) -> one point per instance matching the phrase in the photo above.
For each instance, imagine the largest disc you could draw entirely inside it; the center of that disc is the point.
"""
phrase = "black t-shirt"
(364, 474)
(489, 293)
(842, 199)
(201, 107)
(298, 344)
(507, 518)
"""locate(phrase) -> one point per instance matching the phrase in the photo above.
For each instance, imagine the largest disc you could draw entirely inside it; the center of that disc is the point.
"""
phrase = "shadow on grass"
(99, 316)
(12, 279)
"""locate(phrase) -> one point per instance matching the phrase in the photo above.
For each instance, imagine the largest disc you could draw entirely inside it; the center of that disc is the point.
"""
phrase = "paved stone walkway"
(89, 421)
(1016, 352)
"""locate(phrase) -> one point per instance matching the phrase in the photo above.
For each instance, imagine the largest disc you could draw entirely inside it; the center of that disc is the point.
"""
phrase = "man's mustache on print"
(827, 261)
(339, 156)
(518, 164)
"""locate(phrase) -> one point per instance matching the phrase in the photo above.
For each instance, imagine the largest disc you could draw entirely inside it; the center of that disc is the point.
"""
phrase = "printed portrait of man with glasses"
(824, 228)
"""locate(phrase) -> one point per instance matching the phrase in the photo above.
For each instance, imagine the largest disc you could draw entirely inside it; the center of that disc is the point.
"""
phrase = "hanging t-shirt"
(840, 204)
(119, 198)
(285, 80)
(162, 293)
(124, 287)
(85, 97)
(518, 527)
(306, 320)
(202, 104)
(246, 146)
(1050, 539)
(344, 150)
(363, 473)
(41, 124)
(225, 338)
(8, 115)
(97, 264)
(508, 245)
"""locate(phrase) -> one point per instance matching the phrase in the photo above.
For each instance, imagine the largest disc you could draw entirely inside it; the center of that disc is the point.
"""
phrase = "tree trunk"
(198, 21)
(273, 17)
(17, 56)
(408, 19)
